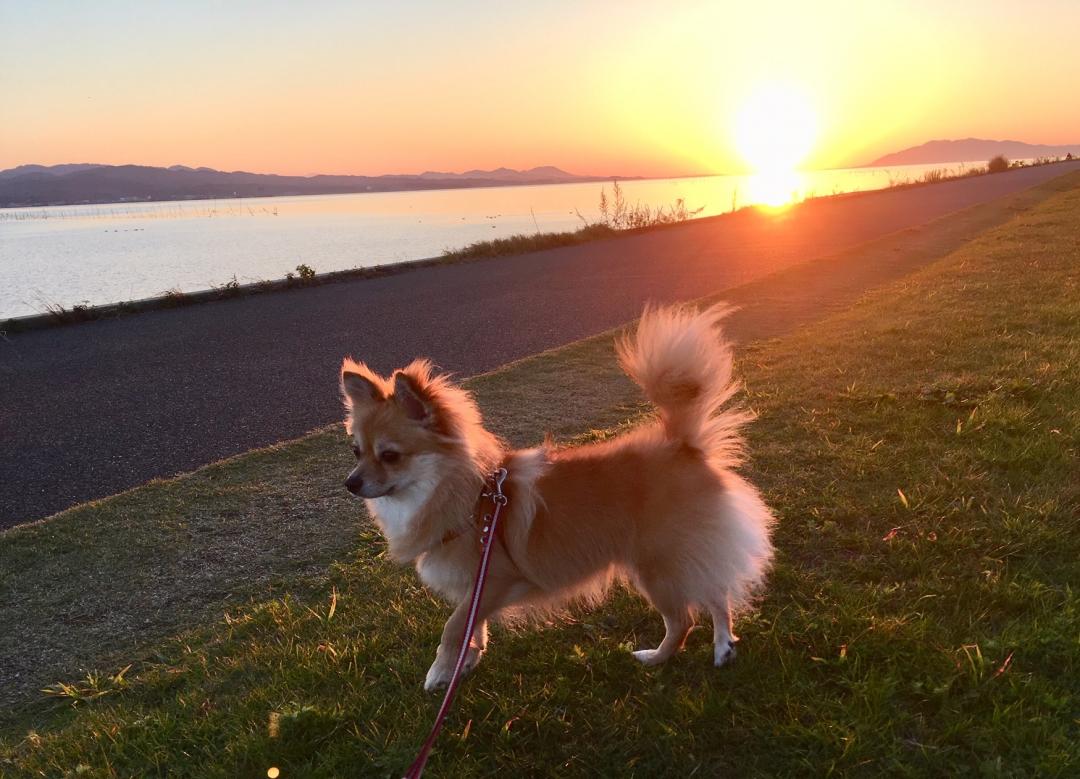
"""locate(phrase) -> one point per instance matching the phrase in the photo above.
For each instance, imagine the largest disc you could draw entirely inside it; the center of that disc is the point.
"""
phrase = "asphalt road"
(89, 410)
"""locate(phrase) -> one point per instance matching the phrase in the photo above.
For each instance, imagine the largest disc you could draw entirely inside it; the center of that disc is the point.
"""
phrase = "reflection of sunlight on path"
(774, 188)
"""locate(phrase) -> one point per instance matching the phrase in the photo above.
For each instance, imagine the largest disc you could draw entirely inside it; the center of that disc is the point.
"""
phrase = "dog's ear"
(409, 394)
(360, 385)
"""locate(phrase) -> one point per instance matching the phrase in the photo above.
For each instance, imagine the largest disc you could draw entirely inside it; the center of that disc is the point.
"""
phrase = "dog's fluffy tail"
(679, 357)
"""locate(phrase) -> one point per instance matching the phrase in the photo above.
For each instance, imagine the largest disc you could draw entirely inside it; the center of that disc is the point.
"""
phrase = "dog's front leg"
(502, 592)
(450, 644)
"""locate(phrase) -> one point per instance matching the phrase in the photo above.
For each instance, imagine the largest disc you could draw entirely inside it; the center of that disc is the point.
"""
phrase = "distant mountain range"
(543, 173)
(35, 185)
(972, 150)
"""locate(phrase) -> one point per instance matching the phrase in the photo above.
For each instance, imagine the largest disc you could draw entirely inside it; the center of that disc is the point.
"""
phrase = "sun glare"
(774, 132)
(774, 188)
(776, 129)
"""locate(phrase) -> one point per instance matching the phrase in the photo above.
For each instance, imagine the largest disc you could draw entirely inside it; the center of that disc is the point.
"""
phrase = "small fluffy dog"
(659, 507)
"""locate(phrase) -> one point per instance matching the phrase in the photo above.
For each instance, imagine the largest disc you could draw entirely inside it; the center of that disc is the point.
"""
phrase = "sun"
(776, 129)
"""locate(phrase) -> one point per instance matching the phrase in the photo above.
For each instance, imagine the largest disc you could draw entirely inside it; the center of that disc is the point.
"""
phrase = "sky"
(600, 88)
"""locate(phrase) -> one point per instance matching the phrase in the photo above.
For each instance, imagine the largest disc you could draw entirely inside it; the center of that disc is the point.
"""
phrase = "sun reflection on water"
(775, 188)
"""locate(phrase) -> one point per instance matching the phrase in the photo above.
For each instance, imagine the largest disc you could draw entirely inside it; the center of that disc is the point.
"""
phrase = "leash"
(495, 493)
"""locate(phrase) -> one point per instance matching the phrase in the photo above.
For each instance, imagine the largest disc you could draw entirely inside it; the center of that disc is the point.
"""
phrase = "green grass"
(920, 449)
(522, 243)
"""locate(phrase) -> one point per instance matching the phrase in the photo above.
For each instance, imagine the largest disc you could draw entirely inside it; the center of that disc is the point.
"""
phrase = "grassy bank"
(920, 449)
(617, 216)
(997, 164)
(522, 243)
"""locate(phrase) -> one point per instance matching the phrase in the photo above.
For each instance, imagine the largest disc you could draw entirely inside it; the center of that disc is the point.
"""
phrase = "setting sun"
(776, 129)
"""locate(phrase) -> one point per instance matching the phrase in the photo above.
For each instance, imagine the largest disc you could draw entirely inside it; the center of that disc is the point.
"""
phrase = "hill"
(973, 150)
(37, 185)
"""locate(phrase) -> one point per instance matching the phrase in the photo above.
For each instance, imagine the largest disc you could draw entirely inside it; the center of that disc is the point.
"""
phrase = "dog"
(660, 508)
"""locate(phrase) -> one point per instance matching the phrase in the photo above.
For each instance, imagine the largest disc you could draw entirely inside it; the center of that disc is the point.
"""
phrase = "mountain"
(48, 170)
(35, 185)
(972, 150)
(545, 173)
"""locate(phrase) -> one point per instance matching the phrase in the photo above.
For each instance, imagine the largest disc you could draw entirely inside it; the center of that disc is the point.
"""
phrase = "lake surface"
(67, 255)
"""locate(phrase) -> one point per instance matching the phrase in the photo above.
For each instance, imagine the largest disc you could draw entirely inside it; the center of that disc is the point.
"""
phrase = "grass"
(920, 449)
(616, 216)
(522, 243)
(938, 175)
(997, 164)
(616, 212)
(58, 314)
(87, 566)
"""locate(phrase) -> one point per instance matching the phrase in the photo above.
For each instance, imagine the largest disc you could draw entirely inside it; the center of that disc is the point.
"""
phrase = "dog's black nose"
(355, 483)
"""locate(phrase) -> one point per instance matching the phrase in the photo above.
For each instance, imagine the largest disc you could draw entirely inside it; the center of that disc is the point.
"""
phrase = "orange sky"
(628, 88)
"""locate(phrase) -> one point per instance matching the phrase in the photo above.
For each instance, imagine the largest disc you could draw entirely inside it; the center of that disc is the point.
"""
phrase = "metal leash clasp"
(494, 488)
(495, 494)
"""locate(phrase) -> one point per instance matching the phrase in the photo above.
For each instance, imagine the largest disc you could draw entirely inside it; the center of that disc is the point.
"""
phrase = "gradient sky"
(624, 87)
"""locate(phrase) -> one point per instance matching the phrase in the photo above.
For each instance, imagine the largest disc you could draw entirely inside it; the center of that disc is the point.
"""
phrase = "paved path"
(89, 410)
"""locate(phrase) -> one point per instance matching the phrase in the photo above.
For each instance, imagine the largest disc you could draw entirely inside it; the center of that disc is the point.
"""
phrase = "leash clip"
(494, 487)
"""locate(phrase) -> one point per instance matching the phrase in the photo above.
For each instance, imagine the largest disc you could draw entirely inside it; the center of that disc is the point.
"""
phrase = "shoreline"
(79, 314)
(488, 184)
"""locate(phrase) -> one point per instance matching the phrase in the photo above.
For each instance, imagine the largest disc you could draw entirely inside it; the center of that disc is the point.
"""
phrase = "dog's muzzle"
(361, 489)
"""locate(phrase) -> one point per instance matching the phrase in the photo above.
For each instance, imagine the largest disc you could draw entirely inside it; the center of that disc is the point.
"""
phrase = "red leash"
(494, 492)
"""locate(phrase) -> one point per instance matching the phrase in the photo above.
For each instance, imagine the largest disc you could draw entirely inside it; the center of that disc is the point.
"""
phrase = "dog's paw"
(437, 677)
(440, 673)
(723, 653)
(647, 656)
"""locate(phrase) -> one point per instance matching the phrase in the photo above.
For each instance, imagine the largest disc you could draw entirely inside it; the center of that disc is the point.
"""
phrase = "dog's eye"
(390, 456)
(355, 451)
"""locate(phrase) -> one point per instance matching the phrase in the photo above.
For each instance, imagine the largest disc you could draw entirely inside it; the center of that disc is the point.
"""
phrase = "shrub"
(998, 164)
(617, 214)
(229, 289)
(80, 312)
(176, 297)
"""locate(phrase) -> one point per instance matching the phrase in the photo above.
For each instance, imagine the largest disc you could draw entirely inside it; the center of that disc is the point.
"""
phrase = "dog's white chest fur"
(443, 573)
(395, 513)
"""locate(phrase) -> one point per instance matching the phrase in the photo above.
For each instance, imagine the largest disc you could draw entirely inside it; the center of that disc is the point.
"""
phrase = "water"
(68, 255)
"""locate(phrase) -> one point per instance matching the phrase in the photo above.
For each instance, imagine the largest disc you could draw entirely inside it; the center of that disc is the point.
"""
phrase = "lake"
(67, 255)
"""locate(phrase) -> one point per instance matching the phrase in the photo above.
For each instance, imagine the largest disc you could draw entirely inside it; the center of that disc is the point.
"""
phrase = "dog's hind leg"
(723, 637)
(677, 625)
(666, 597)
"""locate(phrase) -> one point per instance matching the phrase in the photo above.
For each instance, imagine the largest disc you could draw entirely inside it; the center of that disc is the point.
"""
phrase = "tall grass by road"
(616, 214)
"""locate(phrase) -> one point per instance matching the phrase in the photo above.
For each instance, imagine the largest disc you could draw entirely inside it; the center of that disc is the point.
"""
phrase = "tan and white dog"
(659, 507)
